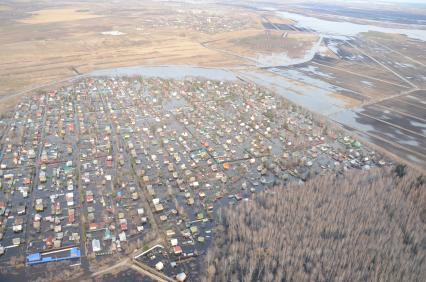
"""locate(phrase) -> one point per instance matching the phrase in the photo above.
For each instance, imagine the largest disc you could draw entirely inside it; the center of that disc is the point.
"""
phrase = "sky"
(388, 1)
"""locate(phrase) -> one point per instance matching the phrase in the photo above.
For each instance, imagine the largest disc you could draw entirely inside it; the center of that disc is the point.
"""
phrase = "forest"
(360, 226)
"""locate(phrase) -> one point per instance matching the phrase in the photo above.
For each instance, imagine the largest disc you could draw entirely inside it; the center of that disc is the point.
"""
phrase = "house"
(194, 230)
(89, 196)
(2, 207)
(119, 196)
(31, 154)
(56, 243)
(39, 207)
(93, 226)
(8, 177)
(122, 237)
(159, 208)
(109, 163)
(107, 234)
(71, 216)
(49, 242)
(123, 224)
(181, 277)
(190, 201)
(96, 245)
(37, 225)
(70, 186)
(42, 177)
(177, 250)
(159, 266)
(70, 199)
(135, 196)
(56, 208)
(141, 211)
(16, 241)
(21, 210)
(17, 225)
(35, 258)
(210, 206)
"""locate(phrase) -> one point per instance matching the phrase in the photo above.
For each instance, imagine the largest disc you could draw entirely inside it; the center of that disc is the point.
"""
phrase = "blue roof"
(75, 252)
(34, 257)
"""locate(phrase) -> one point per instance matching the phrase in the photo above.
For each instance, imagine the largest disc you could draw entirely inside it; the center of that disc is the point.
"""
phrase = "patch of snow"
(112, 32)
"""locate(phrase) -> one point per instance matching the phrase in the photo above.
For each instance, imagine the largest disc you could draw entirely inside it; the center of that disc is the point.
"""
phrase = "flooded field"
(384, 16)
(398, 125)
(345, 28)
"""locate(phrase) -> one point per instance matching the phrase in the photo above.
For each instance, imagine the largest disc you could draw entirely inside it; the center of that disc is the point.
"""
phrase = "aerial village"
(198, 20)
(109, 167)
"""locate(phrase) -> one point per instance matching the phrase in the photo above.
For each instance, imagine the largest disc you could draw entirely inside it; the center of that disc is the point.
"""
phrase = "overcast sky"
(387, 1)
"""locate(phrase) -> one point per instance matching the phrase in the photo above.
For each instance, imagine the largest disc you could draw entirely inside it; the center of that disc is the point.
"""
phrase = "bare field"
(276, 19)
(33, 55)
(57, 15)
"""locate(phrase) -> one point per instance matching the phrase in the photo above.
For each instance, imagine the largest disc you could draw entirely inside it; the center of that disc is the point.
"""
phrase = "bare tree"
(363, 226)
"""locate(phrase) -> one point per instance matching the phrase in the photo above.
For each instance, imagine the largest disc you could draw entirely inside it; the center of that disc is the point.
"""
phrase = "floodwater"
(281, 59)
(316, 96)
(405, 144)
(309, 96)
(168, 71)
(337, 28)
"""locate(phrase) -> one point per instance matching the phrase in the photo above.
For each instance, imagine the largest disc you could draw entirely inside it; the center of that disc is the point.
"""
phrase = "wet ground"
(398, 125)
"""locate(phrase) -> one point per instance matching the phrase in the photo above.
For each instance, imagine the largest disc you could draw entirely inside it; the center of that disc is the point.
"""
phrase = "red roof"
(49, 241)
(71, 218)
(177, 250)
(89, 198)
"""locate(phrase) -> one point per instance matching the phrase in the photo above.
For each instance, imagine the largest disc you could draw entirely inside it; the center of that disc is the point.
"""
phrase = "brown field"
(43, 43)
(33, 54)
(57, 15)
(277, 19)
